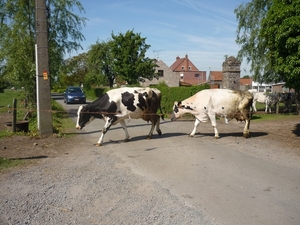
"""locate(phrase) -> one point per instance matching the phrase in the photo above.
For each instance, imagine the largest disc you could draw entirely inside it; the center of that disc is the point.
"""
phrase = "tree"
(17, 38)
(249, 16)
(74, 70)
(101, 61)
(281, 31)
(130, 63)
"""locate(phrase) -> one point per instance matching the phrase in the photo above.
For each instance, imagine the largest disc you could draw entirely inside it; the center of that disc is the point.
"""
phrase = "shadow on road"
(296, 130)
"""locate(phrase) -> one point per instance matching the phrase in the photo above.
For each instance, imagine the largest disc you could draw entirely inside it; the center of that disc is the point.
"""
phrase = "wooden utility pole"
(43, 91)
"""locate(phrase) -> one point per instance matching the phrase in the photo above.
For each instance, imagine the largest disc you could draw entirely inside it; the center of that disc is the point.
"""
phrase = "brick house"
(187, 72)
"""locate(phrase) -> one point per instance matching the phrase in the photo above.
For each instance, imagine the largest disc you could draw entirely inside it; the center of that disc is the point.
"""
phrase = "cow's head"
(177, 108)
(83, 117)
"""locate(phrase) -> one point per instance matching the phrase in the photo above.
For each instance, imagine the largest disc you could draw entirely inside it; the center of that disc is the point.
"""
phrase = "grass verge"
(8, 163)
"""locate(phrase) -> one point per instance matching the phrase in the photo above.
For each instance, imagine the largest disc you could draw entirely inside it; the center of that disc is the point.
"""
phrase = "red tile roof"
(216, 75)
(183, 62)
(245, 81)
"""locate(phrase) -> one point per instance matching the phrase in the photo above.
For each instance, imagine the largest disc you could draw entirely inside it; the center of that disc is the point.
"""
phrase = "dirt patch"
(27, 147)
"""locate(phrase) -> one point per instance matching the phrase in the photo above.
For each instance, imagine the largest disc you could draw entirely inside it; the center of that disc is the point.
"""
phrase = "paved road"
(227, 185)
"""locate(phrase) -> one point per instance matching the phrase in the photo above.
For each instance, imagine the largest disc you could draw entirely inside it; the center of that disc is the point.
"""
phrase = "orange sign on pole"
(45, 75)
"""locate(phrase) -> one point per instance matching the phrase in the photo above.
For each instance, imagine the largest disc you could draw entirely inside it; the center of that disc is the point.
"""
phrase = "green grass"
(62, 123)
(7, 163)
(261, 115)
(6, 102)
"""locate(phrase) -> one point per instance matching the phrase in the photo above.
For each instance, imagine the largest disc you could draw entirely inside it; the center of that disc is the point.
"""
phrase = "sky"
(205, 30)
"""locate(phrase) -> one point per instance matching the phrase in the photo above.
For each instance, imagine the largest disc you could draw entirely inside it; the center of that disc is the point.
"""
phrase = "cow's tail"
(161, 113)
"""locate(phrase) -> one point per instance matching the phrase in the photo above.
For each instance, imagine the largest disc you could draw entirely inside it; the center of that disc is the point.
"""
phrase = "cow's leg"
(196, 124)
(247, 117)
(108, 122)
(246, 128)
(214, 124)
(268, 105)
(100, 141)
(151, 130)
(254, 106)
(123, 124)
(157, 125)
(155, 121)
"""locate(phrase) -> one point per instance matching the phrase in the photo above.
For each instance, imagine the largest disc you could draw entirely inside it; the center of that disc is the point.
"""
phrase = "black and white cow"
(123, 103)
(207, 104)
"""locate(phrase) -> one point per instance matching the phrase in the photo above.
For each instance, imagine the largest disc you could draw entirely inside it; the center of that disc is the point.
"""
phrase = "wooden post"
(14, 121)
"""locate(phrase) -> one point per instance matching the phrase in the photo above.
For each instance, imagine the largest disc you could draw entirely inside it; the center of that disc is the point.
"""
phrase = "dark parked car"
(74, 94)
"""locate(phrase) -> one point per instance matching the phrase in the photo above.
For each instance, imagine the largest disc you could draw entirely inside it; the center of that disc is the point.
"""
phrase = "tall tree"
(281, 31)
(249, 16)
(101, 61)
(74, 70)
(17, 38)
(129, 52)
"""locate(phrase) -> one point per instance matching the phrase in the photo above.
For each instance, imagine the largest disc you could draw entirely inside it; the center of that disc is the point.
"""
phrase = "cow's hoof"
(216, 137)
(245, 135)
(191, 135)
(159, 132)
(98, 144)
(149, 137)
(126, 140)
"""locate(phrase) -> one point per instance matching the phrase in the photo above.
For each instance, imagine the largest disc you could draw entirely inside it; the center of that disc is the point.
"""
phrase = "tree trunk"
(297, 101)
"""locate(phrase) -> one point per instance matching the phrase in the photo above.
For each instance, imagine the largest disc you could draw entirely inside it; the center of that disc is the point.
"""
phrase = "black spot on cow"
(176, 109)
(142, 102)
(112, 109)
(103, 104)
(128, 100)
(188, 107)
(146, 94)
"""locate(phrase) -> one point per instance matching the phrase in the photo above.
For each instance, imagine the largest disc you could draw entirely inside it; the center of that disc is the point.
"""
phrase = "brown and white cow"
(123, 103)
(207, 104)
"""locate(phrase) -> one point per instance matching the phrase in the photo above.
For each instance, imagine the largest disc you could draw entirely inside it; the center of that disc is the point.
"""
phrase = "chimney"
(186, 63)
(177, 57)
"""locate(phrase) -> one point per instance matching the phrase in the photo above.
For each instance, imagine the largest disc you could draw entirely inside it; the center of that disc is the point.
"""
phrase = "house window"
(190, 68)
(160, 73)
(197, 75)
(182, 67)
(181, 76)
